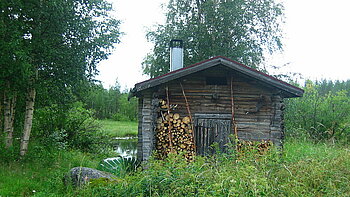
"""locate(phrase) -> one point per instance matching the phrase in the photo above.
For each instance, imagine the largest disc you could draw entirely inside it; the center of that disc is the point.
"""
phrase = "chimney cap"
(176, 43)
(176, 54)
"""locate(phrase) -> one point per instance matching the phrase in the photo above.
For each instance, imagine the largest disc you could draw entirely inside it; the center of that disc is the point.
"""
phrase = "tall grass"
(305, 169)
(41, 175)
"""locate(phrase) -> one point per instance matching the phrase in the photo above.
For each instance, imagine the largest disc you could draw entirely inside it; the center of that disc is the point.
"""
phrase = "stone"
(79, 176)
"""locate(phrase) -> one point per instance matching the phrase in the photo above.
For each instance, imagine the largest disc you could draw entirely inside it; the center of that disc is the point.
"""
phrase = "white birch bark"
(2, 114)
(9, 116)
(28, 120)
(7, 120)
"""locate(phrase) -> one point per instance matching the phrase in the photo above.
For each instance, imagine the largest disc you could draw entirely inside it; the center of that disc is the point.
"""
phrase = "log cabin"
(219, 97)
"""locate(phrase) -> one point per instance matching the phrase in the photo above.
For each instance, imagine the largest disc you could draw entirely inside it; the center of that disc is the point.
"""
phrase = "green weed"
(43, 175)
(305, 169)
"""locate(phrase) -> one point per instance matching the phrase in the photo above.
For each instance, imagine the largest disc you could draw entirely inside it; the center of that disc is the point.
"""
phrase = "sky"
(316, 40)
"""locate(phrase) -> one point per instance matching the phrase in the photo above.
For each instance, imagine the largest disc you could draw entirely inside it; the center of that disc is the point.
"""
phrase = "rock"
(79, 176)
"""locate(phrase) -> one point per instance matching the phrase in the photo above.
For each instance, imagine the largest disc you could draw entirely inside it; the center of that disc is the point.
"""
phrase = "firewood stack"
(174, 134)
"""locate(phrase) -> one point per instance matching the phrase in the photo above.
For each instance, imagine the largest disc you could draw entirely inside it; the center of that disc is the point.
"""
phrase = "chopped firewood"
(176, 116)
(186, 120)
(179, 130)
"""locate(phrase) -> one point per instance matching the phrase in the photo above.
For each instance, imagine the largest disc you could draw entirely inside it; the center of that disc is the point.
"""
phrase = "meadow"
(303, 169)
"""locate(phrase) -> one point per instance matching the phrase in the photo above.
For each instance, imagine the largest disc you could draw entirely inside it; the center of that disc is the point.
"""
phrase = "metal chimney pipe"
(176, 54)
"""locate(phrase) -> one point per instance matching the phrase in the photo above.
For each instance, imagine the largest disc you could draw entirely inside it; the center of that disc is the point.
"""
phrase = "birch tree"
(63, 41)
(240, 30)
(12, 64)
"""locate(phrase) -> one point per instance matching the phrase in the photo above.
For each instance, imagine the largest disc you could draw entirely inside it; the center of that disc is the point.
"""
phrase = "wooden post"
(189, 114)
(234, 125)
(169, 129)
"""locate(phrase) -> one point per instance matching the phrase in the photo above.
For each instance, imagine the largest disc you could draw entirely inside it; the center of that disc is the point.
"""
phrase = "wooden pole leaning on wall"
(234, 124)
(190, 116)
(169, 129)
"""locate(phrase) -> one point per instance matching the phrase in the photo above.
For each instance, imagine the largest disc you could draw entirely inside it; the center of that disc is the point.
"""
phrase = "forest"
(54, 113)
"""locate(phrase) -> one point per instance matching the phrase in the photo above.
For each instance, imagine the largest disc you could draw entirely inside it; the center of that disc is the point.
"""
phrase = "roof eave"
(297, 92)
(292, 91)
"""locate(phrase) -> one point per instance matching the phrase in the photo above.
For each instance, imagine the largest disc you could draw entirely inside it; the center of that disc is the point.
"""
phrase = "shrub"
(70, 128)
(318, 116)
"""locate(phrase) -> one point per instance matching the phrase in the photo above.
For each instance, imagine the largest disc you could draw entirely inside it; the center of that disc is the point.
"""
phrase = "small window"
(216, 81)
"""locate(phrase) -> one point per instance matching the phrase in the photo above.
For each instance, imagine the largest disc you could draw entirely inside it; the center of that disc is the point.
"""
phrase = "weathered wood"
(189, 114)
(265, 122)
(139, 134)
(146, 132)
(227, 66)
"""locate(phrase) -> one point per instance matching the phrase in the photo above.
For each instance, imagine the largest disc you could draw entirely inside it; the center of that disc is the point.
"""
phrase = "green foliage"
(40, 173)
(127, 109)
(34, 38)
(102, 182)
(53, 47)
(319, 116)
(105, 103)
(72, 128)
(305, 169)
(111, 103)
(326, 86)
(120, 117)
(119, 166)
(241, 30)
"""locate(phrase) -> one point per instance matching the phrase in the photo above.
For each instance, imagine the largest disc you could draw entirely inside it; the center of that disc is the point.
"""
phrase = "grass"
(314, 170)
(305, 169)
(41, 175)
(119, 128)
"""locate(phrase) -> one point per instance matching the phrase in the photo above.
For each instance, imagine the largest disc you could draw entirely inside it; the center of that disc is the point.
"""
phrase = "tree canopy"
(241, 30)
(50, 47)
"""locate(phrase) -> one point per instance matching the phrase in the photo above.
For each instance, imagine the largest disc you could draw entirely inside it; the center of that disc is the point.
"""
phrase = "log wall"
(145, 127)
(258, 108)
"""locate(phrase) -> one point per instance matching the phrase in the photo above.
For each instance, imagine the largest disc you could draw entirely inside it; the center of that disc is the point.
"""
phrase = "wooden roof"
(290, 90)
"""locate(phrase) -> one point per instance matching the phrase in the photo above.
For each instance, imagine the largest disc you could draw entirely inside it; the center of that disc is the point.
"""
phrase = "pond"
(125, 146)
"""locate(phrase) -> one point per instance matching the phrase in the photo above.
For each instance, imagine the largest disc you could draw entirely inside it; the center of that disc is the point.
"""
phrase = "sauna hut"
(215, 93)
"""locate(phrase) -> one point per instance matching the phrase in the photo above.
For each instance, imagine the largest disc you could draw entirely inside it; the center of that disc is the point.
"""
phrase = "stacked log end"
(173, 133)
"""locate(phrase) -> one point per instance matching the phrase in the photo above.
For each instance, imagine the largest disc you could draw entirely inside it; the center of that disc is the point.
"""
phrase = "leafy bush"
(71, 128)
(318, 116)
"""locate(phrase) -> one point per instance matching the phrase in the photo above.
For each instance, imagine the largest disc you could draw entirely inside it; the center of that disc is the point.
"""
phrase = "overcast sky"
(316, 40)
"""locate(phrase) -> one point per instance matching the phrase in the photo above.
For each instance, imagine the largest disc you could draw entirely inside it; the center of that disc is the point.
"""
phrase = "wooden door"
(209, 129)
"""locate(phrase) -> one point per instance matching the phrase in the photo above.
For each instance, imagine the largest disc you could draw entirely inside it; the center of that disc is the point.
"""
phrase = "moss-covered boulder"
(79, 176)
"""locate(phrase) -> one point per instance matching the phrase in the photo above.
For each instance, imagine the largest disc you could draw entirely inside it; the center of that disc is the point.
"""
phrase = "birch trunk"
(2, 113)
(9, 116)
(28, 120)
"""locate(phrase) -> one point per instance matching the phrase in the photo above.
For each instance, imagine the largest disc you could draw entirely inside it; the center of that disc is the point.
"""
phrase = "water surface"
(125, 146)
